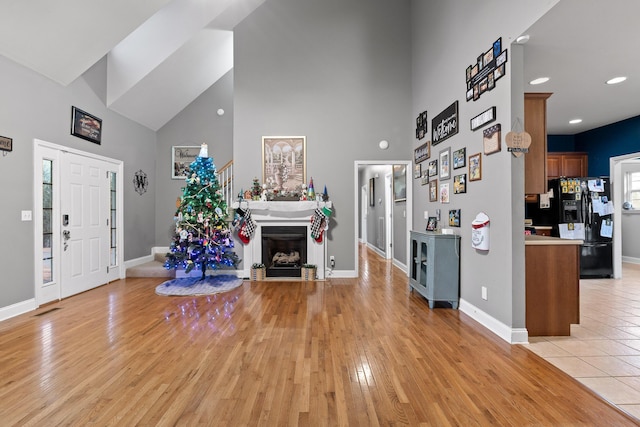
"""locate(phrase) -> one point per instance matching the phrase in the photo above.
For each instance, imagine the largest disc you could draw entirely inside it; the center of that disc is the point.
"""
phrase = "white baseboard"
(510, 335)
(631, 260)
(147, 258)
(17, 309)
(138, 261)
(400, 265)
(341, 274)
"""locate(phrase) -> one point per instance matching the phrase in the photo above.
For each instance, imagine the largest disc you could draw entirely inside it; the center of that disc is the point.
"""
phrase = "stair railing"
(225, 179)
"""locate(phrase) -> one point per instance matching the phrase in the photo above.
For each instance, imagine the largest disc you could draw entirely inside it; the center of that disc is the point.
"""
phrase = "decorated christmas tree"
(202, 238)
(256, 189)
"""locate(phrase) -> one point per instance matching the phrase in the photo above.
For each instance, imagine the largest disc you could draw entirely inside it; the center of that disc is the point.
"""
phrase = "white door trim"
(40, 146)
(388, 216)
(615, 178)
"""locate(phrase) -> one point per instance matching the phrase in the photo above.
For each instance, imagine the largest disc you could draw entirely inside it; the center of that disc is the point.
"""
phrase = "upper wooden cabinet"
(535, 161)
(567, 164)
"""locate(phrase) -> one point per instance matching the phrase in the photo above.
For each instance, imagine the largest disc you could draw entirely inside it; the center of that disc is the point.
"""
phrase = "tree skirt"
(197, 286)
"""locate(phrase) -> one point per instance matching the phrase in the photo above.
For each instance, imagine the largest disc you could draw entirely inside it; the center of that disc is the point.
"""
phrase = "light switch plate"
(26, 215)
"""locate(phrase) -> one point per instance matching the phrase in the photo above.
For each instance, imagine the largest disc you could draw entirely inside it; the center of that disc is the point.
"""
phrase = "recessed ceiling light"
(575, 121)
(522, 39)
(616, 80)
(539, 81)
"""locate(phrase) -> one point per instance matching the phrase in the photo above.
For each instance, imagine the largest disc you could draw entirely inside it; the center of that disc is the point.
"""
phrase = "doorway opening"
(396, 217)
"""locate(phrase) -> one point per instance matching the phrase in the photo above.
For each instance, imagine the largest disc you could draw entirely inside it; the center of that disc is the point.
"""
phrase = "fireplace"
(284, 250)
(294, 218)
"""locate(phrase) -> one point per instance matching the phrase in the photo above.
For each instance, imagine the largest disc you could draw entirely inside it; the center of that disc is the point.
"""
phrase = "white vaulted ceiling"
(161, 55)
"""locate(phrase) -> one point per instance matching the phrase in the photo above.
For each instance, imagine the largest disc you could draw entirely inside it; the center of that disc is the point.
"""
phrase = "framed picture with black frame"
(399, 183)
(86, 126)
(372, 191)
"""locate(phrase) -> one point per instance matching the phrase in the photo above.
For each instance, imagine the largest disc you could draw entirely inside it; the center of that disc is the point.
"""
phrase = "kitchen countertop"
(548, 240)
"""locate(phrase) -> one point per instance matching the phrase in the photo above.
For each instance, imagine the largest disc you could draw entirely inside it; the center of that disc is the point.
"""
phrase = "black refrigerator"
(586, 201)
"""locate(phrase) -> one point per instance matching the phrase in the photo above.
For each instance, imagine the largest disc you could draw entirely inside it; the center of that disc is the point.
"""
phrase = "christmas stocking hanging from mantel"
(320, 223)
(247, 228)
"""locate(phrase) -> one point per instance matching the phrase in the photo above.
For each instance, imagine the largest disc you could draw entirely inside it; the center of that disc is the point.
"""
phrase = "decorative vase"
(258, 274)
(308, 273)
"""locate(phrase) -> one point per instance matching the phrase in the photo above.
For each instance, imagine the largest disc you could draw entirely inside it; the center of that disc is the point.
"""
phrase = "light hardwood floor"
(341, 352)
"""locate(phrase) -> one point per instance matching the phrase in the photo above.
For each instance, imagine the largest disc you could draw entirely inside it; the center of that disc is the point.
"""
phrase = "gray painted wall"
(36, 107)
(441, 53)
(198, 123)
(337, 72)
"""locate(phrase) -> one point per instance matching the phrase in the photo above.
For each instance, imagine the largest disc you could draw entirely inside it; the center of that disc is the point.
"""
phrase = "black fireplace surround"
(284, 250)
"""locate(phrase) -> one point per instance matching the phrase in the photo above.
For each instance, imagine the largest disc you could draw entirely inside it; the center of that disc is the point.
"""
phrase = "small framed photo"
(501, 59)
(399, 183)
(460, 184)
(422, 153)
(445, 164)
(475, 167)
(433, 168)
(417, 171)
(459, 158)
(433, 190)
(432, 223)
(487, 57)
(6, 144)
(86, 126)
(491, 137)
(444, 192)
(425, 180)
(498, 72)
(454, 218)
(181, 158)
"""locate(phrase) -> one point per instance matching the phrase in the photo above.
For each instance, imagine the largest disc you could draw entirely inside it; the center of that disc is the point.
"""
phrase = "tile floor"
(603, 351)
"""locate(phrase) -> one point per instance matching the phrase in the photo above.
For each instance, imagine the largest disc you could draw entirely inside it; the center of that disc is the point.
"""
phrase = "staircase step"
(150, 269)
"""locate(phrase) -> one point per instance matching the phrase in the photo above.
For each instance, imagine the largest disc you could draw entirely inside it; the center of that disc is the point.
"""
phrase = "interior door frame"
(617, 189)
(364, 214)
(388, 220)
(38, 146)
(409, 203)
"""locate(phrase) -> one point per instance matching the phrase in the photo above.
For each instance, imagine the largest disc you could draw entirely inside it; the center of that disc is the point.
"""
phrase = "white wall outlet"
(484, 293)
(26, 215)
(332, 261)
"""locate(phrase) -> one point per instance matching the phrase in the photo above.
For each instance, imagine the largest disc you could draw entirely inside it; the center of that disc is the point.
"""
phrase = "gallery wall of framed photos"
(452, 171)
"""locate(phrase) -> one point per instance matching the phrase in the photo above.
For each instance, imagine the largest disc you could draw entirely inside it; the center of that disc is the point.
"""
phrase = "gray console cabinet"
(435, 267)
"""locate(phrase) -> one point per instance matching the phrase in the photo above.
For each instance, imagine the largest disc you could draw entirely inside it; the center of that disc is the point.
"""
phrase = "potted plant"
(258, 271)
(308, 272)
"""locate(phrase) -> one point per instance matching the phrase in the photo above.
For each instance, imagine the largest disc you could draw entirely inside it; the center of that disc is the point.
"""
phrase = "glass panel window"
(47, 198)
(46, 171)
(113, 223)
(47, 221)
(47, 271)
(632, 190)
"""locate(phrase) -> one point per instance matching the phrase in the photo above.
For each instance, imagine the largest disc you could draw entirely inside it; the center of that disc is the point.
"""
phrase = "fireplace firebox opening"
(284, 250)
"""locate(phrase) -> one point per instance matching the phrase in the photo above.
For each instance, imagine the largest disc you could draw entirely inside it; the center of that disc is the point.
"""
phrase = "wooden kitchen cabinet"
(552, 275)
(567, 164)
(535, 124)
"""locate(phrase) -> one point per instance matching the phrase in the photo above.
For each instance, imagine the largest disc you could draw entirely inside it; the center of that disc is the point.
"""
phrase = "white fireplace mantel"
(277, 213)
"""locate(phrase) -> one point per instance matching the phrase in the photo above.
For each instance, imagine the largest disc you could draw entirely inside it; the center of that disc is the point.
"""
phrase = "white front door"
(84, 212)
(77, 221)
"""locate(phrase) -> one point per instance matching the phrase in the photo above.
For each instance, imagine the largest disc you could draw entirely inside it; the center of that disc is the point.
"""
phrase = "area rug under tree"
(198, 286)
